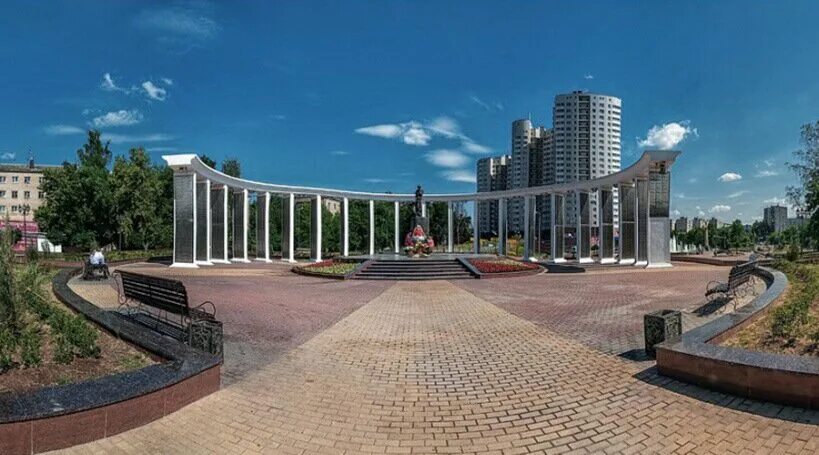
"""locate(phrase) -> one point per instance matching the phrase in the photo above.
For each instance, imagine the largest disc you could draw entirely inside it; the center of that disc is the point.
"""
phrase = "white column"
(345, 227)
(316, 240)
(396, 213)
(476, 230)
(266, 226)
(449, 222)
(552, 230)
(372, 228)
(527, 232)
(208, 219)
(291, 227)
(225, 220)
(501, 227)
(424, 209)
(245, 223)
(637, 262)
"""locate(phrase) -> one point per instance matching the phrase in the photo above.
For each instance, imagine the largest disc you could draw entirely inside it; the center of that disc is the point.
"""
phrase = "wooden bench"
(160, 303)
(739, 276)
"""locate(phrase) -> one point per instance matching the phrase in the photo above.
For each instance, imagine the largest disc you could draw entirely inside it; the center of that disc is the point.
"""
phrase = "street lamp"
(24, 209)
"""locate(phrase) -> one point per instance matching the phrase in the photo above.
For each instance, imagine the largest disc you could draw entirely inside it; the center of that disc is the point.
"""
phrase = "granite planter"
(659, 326)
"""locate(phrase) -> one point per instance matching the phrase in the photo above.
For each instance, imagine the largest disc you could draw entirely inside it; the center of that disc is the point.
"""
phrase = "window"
(40, 195)
(26, 194)
(13, 209)
(26, 180)
(2, 194)
(2, 209)
(14, 195)
(15, 179)
(2, 179)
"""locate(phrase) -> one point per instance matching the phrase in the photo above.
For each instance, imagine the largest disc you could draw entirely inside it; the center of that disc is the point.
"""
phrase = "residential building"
(333, 206)
(20, 191)
(531, 165)
(682, 225)
(776, 216)
(586, 142)
(492, 175)
(699, 223)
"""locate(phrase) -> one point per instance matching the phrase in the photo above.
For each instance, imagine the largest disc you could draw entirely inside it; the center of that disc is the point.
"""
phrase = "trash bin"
(659, 326)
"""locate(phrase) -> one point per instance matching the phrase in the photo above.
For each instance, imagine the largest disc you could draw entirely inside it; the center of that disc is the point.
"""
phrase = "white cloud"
(376, 180)
(447, 158)
(676, 213)
(339, 153)
(167, 81)
(128, 139)
(776, 200)
(693, 180)
(154, 92)
(700, 213)
(162, 149)
(720, 208)
(472, 147)
(416, 135)
(479, 102)
(730, 177)
(588, 77)
(420, 134)
(175, 23)
(667, 136)
(109, 85)
(8, 156)
(117, 118)
(767, 173)
(737, 194)
(62, 130)
(460, 175)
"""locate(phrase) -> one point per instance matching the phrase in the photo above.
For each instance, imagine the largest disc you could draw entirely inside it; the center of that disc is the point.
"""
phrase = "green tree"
(232, 167)
(806, 168)
(79, 210)
(145, 216)
(208, 161)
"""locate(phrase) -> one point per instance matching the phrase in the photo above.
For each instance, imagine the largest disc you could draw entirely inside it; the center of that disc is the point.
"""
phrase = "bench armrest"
(202, 307)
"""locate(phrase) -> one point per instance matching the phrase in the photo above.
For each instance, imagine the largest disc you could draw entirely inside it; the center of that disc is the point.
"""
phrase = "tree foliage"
(143, 215)
(89, 205)
(806, 167)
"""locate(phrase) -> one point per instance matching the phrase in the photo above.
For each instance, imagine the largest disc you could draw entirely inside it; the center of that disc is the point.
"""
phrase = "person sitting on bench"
(97, 261)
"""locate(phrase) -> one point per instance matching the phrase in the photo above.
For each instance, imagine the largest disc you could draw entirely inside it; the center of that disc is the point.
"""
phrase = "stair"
(414, 269)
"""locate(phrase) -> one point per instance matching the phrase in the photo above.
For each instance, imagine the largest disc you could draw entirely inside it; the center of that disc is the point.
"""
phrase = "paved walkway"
(432, 368)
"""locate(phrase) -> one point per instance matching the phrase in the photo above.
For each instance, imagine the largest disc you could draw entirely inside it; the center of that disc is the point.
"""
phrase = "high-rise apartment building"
(682, 225)
(531, 151)
(583, 144)
(586, 142)
(492, 176)
(776, 216)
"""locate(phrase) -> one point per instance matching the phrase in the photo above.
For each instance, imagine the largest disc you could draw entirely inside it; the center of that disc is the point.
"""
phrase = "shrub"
(793, 252)
(8, 346)
(63, 353)
(788, 320)
(30, 344)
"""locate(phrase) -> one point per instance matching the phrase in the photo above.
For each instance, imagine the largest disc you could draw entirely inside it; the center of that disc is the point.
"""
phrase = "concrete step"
(423, 269)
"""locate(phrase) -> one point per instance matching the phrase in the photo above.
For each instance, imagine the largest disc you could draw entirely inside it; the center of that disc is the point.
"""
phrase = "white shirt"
(97, 258)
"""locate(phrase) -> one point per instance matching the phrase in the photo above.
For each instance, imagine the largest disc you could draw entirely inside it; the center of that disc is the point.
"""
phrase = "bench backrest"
(740, 274)
(161, 293)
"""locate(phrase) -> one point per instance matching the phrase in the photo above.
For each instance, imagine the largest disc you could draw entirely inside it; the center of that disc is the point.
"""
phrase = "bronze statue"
(419, 195)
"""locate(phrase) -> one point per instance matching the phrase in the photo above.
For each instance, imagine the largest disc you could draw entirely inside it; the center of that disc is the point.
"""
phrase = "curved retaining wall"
(696, 358)
(62, 416)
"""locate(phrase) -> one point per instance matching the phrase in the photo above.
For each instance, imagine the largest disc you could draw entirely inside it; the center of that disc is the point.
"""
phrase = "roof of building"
(25, 167)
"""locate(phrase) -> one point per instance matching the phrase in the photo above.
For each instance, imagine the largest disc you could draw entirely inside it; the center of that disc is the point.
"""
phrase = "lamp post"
(24, 209)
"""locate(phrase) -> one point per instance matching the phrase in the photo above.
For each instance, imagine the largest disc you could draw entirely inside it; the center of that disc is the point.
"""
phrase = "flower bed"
(501, 265)
(327, 268)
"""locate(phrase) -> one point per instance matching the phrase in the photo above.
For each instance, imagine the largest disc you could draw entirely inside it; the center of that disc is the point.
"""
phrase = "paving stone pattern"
(432, 368)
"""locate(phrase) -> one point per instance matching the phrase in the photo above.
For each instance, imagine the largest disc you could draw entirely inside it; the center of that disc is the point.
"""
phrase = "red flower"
(501, 265)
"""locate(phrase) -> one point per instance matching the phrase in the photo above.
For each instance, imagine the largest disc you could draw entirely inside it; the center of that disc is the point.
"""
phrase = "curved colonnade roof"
(640, 169)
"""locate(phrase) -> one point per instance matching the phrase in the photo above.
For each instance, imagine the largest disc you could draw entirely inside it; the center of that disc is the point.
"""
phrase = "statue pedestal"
(423, 221)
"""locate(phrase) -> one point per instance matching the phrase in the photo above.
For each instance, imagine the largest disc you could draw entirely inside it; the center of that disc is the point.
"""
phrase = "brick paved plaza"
(518, 365)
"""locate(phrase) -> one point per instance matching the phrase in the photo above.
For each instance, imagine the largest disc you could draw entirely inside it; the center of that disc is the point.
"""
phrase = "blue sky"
(366, 95)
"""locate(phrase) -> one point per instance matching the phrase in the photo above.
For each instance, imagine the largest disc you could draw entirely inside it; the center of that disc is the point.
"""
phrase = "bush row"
(793, 319)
